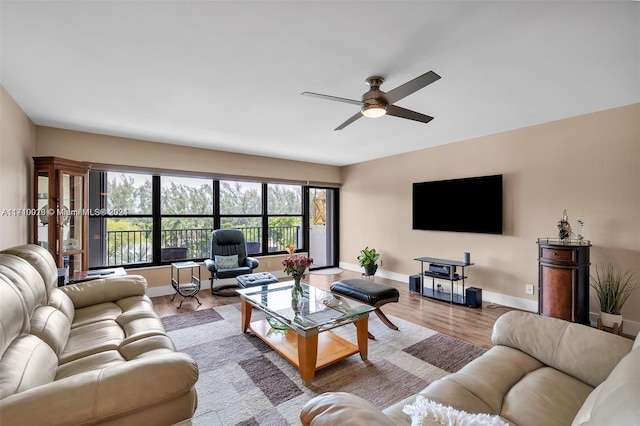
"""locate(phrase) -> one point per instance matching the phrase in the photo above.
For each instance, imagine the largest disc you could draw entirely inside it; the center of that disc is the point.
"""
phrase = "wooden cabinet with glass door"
(60, 196)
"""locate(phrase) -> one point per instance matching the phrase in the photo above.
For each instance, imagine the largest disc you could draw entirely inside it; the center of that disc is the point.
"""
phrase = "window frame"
(217, 217)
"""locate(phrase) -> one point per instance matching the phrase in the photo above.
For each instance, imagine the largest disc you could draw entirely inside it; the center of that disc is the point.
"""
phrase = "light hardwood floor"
(472, 325)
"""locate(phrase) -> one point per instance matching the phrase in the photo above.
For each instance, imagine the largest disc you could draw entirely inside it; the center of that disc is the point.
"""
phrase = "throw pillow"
(227, 262)
(424, 412)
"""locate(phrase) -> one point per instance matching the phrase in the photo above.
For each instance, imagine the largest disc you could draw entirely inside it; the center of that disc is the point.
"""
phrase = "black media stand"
(442, 269)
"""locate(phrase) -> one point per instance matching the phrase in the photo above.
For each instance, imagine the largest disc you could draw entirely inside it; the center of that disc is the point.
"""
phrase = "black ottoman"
(252, 280)
(370, 293)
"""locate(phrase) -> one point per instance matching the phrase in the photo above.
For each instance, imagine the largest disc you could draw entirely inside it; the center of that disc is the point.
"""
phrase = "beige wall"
(17, 146)
(132, 152)
(589, 165)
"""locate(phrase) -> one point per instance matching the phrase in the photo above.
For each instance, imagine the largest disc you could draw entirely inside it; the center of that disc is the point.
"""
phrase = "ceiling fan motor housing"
(374, 96)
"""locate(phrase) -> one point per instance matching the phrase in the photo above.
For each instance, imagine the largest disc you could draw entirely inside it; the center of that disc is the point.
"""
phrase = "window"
(127, 237)
(186, 208)
(168, 218)
(241, 208)
(284, 206)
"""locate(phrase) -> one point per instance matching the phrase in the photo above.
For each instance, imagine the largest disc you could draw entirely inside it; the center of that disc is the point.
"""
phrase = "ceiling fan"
(376, 103)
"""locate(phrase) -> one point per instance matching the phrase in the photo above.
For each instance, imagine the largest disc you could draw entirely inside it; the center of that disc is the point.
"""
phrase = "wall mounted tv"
(459, 205)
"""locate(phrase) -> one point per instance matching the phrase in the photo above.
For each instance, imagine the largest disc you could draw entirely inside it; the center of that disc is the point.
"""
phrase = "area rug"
(244, 382)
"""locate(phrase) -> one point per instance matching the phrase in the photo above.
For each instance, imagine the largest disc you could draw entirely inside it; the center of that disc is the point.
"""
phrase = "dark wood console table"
(453, 277)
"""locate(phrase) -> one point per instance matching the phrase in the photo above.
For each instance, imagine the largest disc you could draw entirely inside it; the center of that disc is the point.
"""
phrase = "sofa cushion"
(52, 326)
(25, 279)
(14, 320)
(63, 303)
(615, 401)
(480, 386)
(28, 362)
(559, 343)
(545, 396)
(40, 259)
(91, 339)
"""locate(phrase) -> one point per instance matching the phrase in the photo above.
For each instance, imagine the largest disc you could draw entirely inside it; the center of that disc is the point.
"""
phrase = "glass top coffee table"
(307, 343)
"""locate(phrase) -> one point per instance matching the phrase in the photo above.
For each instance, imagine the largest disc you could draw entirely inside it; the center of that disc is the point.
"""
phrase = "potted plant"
(612, 288)
(369, 260)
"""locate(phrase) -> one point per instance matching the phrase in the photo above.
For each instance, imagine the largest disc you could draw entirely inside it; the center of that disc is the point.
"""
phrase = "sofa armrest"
(105, 290)
(104, 394)
(559, 343)
(344, 409)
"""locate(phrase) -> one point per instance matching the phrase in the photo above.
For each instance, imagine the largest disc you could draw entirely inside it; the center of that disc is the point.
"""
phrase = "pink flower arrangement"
(296, 265)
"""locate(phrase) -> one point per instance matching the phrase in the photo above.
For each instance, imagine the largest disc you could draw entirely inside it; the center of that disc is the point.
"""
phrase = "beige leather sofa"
(541, 371)
(91, 353)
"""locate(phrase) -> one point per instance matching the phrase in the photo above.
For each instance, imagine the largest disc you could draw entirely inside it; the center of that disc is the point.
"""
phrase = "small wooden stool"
(369, 293)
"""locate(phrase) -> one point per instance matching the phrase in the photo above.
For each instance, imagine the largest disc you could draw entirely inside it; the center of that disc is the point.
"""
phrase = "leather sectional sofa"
(541, 371)
(90, 353)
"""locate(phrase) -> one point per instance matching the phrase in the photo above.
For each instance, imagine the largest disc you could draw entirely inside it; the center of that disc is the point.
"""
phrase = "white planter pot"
(609, 319)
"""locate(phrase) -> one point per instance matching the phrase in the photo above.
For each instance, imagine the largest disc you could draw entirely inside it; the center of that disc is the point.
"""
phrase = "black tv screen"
(459, 205)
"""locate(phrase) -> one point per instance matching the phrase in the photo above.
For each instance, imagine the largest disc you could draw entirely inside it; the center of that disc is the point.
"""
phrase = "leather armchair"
(227, 245)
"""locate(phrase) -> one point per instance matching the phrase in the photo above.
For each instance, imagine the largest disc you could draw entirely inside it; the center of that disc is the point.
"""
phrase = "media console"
(442, 269)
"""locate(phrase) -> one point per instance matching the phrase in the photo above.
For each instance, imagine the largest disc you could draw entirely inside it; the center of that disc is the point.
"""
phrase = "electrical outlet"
(529, 288)
(380, 262)
(268, 264)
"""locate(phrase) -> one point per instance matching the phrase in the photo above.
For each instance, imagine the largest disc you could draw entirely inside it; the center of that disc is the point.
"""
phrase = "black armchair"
(228, 258)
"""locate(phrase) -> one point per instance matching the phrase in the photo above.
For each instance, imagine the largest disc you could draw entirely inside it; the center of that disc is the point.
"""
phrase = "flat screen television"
(459, 205)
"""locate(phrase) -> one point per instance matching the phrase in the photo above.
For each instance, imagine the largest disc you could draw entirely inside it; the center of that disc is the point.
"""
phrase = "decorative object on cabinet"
(612, 287)
(563, 279)
(368, 259)
(564, 228)
(60, 196)
(580, 228)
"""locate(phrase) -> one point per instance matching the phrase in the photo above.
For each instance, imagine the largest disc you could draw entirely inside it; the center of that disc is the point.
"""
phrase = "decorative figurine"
(564, 228)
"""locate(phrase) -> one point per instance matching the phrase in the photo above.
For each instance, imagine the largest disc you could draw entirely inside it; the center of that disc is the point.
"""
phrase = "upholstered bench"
(370, 293)
(253, 280)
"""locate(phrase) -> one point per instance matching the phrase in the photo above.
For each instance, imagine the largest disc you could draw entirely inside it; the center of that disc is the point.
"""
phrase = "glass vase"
(297, 295)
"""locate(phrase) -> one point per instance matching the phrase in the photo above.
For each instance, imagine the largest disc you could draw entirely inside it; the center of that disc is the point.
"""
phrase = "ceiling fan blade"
(332, 98)
(404, 90)
(397, 111)
(349, 121)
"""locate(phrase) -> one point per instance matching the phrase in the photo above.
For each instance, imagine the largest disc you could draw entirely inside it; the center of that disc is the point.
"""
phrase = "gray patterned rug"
(244, 382)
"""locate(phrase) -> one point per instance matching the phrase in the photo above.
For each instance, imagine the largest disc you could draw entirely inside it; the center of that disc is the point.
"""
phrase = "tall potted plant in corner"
(612, 288)
(369, 260)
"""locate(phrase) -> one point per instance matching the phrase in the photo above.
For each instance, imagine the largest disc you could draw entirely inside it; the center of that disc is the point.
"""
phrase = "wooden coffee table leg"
(246, 315)
(307, 357)
(362, 327)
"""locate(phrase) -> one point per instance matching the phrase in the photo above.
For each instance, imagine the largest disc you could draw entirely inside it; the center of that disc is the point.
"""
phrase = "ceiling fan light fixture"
(374, 111)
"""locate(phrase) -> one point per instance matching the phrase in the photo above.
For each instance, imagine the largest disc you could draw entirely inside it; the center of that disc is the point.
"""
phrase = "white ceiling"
(228, 75)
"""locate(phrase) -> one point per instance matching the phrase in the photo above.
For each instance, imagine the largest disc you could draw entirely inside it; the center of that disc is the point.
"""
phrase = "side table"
(186, 289)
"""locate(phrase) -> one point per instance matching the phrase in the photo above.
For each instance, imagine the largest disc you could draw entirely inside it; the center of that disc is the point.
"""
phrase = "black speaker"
(473, 297)
(415, 283)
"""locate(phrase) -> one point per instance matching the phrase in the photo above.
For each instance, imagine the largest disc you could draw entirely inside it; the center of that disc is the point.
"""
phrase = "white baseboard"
(630, 327)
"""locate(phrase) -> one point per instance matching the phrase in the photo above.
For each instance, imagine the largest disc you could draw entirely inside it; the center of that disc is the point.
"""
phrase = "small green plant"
(612, 288)
(369, 260)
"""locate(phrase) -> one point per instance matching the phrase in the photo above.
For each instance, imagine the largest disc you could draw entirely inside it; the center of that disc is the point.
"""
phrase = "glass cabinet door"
(71, 220)
(60, 192)
(42, 204)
